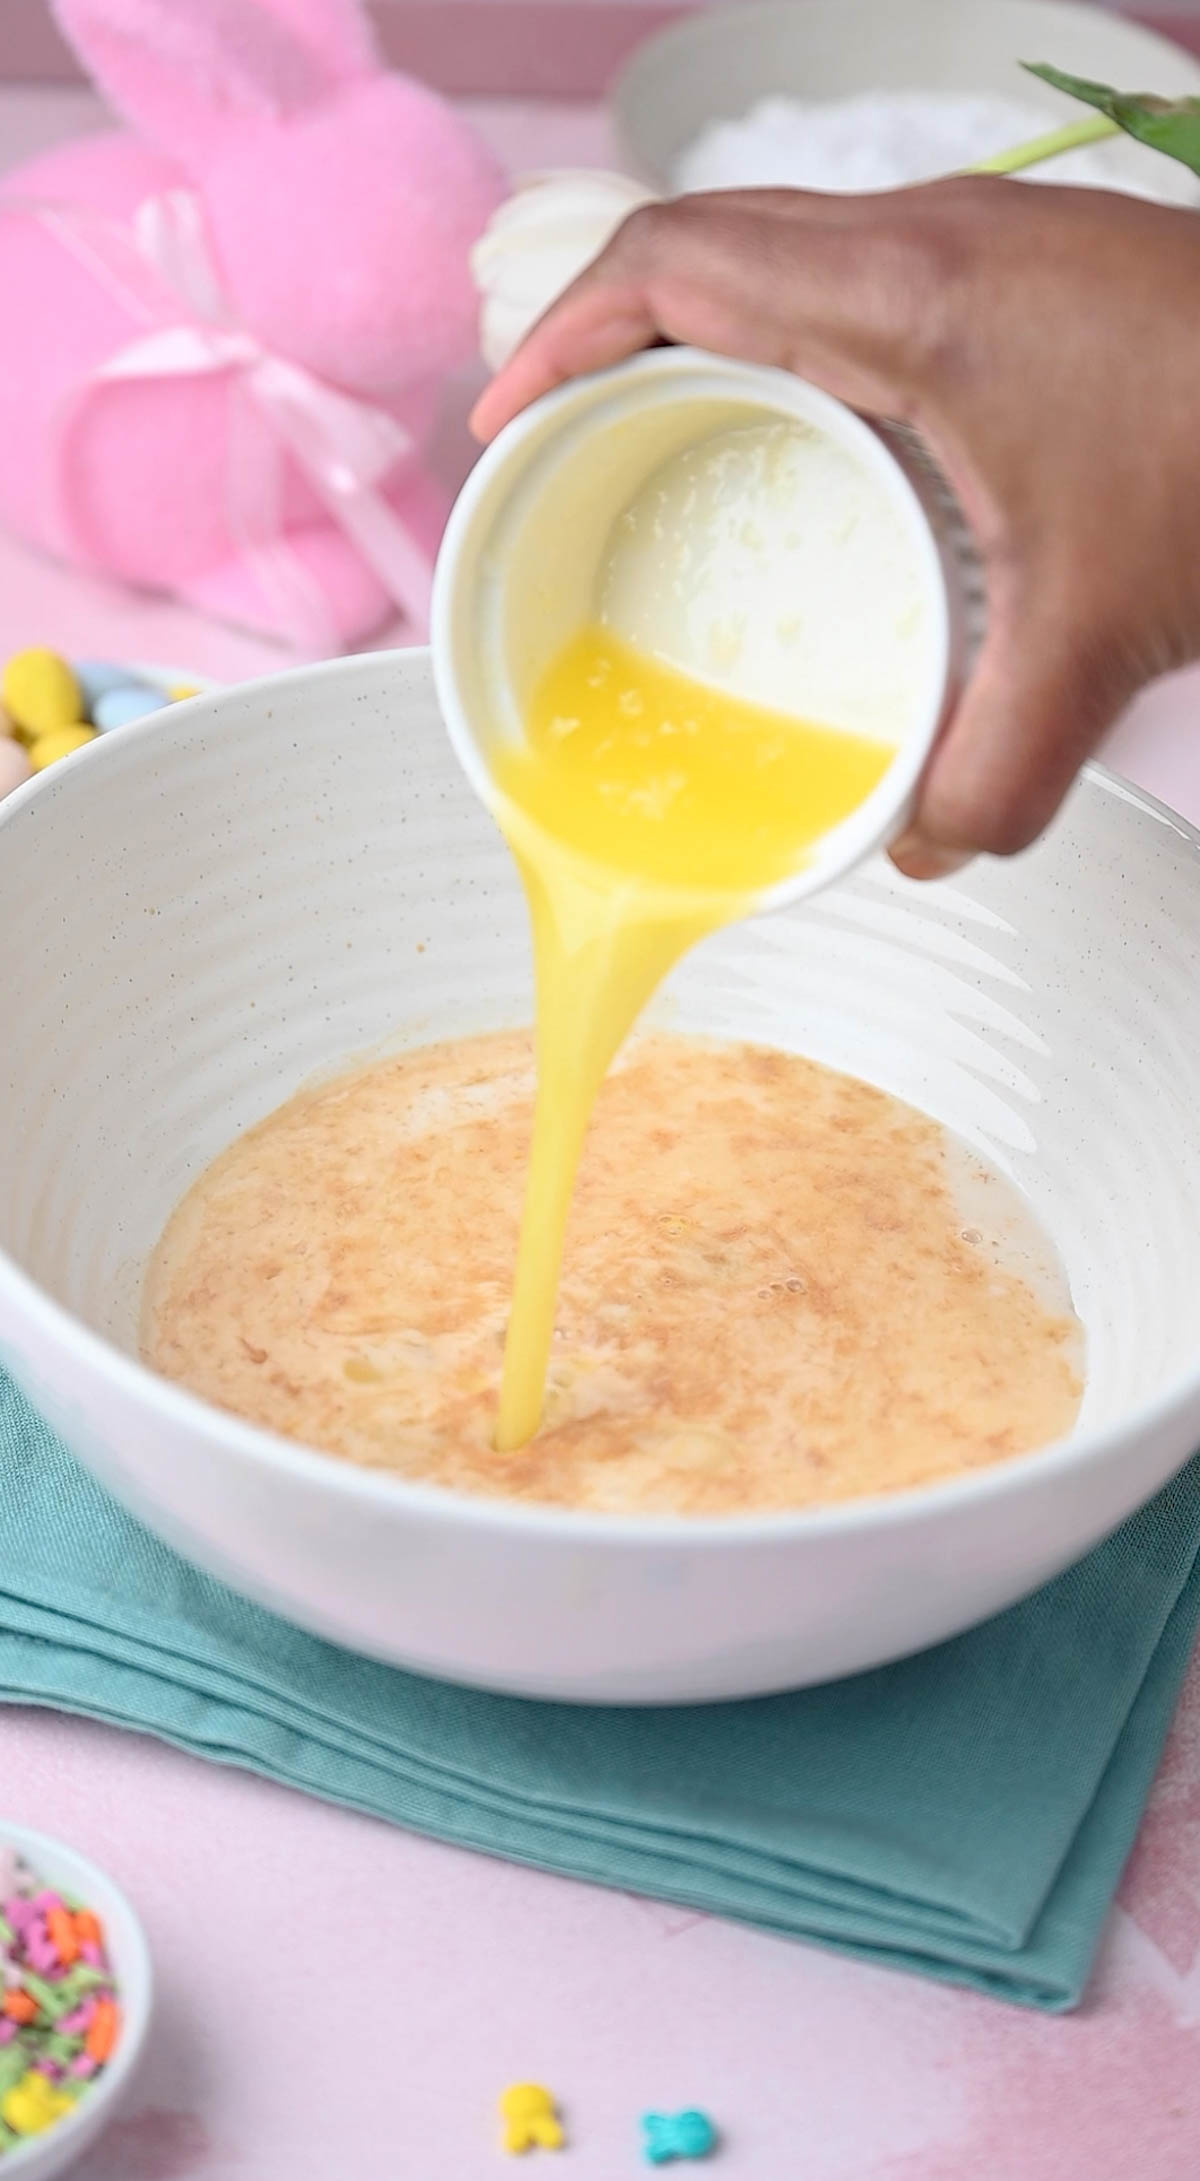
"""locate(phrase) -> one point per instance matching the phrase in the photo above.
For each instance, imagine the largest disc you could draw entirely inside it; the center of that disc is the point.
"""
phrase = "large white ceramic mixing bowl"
(199, 916)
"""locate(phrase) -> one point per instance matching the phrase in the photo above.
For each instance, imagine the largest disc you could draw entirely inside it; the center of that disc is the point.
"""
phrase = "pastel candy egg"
(47, 749)
(95, 676)
(119, 707)
(179, 692)
(40, 693)
(15, 767)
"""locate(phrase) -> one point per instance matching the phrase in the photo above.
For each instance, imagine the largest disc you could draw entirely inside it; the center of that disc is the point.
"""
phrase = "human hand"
(1045, 342)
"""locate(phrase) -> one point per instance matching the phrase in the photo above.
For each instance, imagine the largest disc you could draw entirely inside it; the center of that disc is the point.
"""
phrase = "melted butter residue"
(782, 1288)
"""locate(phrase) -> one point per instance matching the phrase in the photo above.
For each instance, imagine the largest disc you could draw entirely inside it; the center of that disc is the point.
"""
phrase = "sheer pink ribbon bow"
(162, 271)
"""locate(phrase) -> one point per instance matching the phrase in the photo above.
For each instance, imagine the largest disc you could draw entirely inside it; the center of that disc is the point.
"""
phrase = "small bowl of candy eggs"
(51, 706)
(76, 1991)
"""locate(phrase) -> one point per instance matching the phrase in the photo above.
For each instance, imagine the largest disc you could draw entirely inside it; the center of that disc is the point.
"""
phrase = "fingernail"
(924, 859)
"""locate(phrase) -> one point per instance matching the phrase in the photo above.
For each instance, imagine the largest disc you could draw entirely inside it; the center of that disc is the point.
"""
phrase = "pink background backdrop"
(548, 48)
(340, 2000)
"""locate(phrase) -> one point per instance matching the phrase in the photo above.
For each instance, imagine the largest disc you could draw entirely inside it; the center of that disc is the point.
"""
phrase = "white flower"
(537, 242)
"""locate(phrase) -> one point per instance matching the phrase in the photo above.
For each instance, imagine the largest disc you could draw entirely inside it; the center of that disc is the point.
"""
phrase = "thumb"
(1045, 691)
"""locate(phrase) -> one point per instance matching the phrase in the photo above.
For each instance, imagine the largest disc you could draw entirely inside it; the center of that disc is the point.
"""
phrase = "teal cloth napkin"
(965, 1814)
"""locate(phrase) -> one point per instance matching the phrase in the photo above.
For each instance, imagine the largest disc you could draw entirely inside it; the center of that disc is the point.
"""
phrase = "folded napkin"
(965, 1813)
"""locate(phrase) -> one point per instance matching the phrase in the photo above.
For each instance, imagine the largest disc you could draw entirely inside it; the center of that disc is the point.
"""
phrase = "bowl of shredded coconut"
(859, 95)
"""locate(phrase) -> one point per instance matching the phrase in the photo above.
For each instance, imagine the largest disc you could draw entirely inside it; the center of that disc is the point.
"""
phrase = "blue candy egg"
(128, 701)
(95, 676)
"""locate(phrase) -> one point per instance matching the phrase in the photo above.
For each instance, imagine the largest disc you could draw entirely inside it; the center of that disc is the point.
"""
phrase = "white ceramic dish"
(297, 873)
(545, 512)
(42, 2157)
(170, 677)
(717, 64)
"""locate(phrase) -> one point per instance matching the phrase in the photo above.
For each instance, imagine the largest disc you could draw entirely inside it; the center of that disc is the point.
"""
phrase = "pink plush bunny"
(223, 331)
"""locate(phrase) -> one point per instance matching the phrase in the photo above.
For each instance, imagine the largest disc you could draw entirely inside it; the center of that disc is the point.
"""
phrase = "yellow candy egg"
(40, 693)
(181, 690)
(47, 749)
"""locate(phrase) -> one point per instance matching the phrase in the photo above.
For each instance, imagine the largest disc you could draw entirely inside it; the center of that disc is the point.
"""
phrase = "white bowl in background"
(718, 63)
(198, 922)
(39, 2158)
(169, 677)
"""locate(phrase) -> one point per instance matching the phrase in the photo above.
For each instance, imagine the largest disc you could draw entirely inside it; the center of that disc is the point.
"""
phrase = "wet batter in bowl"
(782, 1287)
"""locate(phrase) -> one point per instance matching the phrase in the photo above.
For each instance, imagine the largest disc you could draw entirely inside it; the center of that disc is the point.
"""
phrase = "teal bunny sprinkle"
(677, 2135)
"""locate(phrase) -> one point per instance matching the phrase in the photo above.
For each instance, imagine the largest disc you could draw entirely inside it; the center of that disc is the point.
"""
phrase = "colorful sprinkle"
(530, 2119)
(34, 2104)
(677, 2135)
(60, 1925)
(102, 2031)
(60, 2020)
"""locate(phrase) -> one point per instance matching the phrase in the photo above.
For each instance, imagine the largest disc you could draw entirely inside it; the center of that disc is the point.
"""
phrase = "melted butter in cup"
(726, 521)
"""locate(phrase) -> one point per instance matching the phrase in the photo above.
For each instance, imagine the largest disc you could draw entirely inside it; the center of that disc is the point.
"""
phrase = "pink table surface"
(340, 2000)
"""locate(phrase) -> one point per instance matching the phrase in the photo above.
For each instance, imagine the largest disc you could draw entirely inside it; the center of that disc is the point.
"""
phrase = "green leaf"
(1171, 126)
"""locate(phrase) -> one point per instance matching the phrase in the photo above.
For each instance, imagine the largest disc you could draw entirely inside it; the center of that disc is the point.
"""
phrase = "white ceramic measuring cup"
(739, 523)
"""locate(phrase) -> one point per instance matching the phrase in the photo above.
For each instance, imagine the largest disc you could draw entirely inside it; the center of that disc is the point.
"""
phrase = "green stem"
(1047, 147)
